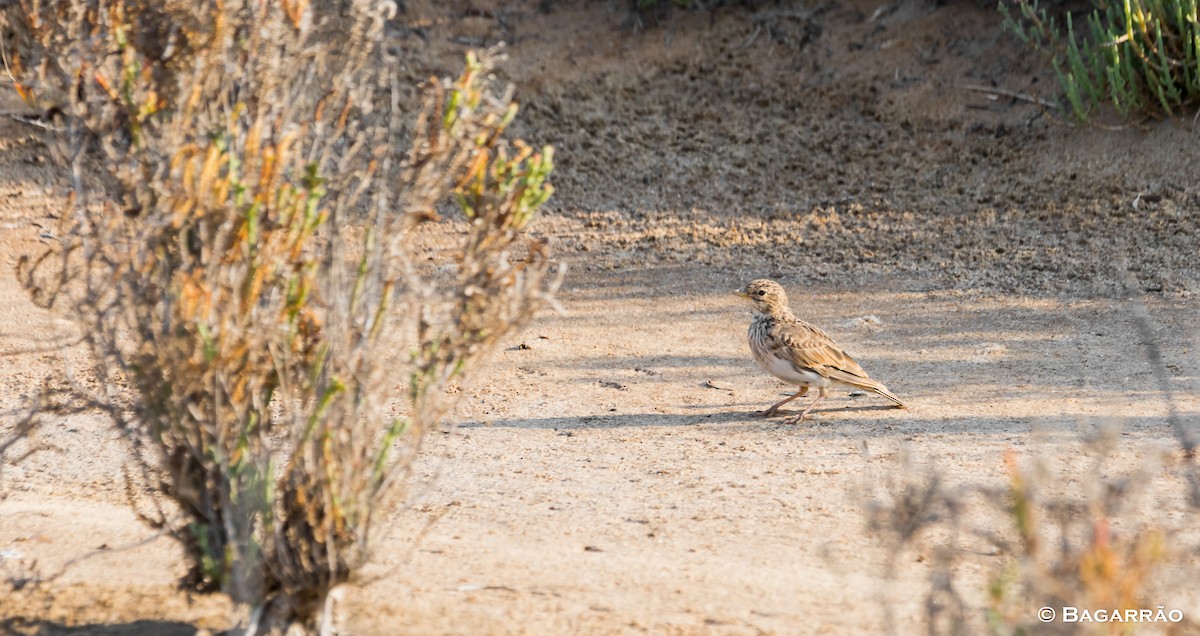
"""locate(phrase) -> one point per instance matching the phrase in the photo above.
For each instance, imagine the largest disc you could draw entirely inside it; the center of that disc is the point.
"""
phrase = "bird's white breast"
(786, 371)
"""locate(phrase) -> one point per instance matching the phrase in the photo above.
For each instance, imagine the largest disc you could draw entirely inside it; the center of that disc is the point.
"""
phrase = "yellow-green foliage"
(1138, 55)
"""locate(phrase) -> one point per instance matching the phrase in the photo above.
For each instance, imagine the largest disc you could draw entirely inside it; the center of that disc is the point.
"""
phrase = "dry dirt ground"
(998, 269)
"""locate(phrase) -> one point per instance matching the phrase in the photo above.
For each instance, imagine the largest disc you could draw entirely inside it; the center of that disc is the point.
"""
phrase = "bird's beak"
(738, 292)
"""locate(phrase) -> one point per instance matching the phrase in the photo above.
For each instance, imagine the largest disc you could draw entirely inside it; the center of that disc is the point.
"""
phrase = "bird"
(799, 353)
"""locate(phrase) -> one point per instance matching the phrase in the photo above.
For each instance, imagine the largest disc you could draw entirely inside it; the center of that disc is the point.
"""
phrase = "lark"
(799, 353)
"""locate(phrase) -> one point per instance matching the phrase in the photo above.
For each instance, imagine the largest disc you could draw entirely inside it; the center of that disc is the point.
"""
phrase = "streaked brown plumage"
(799, 353)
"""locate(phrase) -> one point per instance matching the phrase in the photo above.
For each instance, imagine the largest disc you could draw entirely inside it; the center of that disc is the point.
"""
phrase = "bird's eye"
(762, 292)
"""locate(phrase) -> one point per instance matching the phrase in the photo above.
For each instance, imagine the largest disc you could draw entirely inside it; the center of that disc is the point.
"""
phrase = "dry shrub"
(1053, 544)
(247, 345)
(1067, 552)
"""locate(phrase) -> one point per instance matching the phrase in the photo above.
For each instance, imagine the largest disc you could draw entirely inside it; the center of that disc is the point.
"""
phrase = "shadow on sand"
(38, 627)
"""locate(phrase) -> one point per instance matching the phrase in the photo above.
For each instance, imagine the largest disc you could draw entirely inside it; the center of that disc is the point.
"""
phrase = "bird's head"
(767, 296)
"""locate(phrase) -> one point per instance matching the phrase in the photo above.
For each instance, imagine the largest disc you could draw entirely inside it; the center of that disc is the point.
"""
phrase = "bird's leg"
(820, 396)
(771, 411)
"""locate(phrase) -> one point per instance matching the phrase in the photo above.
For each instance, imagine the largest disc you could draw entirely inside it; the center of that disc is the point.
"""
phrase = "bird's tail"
(882, 391)
(864, 382)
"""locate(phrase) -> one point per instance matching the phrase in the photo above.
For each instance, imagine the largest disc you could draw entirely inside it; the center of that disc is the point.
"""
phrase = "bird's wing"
(808, 347)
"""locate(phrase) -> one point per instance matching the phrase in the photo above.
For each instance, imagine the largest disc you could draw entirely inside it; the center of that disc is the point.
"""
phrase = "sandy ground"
(611, 477)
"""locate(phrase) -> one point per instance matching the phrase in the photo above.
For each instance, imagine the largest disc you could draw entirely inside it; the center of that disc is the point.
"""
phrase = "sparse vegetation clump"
(1059, 547)
(240, 259)
(1071, 552)
(1139, 56)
